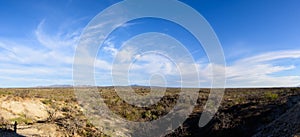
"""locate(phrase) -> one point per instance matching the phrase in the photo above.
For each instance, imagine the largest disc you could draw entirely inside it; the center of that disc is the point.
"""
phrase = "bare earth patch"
(31, 109)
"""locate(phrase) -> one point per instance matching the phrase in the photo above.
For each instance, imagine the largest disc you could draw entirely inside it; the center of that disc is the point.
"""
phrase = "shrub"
(271, 96)
(47, 101)
(2, 122)
(22, 120)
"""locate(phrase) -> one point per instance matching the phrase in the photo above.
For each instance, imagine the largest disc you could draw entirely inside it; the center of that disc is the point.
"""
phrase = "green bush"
(271, 96)
(22, 120)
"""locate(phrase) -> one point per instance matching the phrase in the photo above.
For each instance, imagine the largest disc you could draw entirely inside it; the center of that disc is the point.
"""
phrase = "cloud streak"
(50, 62)
(259, 70)
(255, 71)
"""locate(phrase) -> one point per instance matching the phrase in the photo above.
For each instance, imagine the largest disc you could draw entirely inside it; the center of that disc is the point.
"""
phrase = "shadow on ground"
(9, 133)
(242, 120)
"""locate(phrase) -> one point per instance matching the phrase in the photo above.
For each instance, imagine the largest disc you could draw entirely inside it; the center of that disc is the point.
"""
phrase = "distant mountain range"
(56, 86)
(69, 86)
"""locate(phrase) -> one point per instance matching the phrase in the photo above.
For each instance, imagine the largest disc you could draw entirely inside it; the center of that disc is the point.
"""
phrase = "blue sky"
(260, 39)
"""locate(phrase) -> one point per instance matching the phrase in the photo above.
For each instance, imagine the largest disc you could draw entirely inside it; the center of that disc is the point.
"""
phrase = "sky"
(260, 40)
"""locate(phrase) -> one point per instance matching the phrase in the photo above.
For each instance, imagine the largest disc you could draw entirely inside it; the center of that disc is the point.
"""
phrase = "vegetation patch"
(271, 96)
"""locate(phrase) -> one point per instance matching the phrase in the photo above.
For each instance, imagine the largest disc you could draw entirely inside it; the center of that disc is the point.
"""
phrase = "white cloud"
(258, 70)
(126, 54)
(25, 54)
(154, 63)
(52, 60)
(272, 56)
(109, 47)
(59, 40)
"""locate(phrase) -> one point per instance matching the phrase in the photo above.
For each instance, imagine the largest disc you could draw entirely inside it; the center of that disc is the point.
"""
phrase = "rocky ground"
(243, 112)
(42, 113)
(249, 112)
(286, 125)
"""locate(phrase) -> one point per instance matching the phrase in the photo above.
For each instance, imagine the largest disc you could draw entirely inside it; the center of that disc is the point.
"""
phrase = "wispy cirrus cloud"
(51, 61)
(269, 56)
(255, 71)
(259, 70)
(58, 41)
(47, 57)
